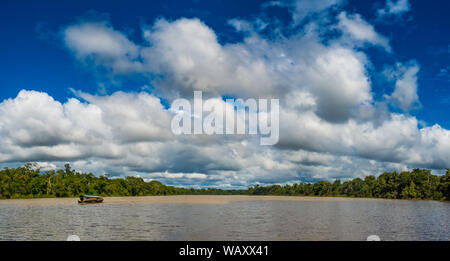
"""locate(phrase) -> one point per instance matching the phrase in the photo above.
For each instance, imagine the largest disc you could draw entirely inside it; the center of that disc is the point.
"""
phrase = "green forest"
(30, 182)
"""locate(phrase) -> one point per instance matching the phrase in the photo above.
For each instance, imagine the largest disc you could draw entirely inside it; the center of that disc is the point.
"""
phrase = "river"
(224, 218)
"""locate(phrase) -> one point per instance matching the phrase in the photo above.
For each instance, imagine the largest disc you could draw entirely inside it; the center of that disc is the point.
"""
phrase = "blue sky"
(37, 54)
(34, 59)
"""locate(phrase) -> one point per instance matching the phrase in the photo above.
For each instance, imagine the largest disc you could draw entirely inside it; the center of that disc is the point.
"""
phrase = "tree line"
(29, 181)
(416, 184)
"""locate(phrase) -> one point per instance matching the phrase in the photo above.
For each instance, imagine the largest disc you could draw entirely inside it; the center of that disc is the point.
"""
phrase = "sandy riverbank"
(190, 199)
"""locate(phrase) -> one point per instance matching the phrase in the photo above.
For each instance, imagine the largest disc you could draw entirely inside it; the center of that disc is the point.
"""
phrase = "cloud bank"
(331, 125)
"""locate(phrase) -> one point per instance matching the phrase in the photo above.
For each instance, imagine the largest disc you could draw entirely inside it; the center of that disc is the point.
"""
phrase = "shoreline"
(185, 199)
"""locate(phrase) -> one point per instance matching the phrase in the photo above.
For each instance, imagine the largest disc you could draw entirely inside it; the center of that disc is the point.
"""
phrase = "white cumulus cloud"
(358, 29)
(331, 126)
(394, 7)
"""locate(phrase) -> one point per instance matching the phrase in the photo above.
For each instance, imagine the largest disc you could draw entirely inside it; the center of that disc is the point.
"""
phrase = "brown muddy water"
(224, 218)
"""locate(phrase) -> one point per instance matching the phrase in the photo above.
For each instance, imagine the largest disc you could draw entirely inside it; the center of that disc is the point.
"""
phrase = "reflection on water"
(238, 220)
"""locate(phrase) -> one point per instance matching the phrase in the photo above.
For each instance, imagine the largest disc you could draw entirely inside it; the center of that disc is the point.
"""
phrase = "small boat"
(90, 199)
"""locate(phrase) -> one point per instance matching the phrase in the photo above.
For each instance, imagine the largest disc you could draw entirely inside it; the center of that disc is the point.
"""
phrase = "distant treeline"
(417, 184)
(30, 182)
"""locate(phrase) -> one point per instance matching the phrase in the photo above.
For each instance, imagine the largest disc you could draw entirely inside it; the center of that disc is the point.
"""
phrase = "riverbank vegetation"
(30, 182)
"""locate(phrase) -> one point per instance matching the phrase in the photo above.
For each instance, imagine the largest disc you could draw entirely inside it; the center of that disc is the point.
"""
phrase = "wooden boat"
(90, 199)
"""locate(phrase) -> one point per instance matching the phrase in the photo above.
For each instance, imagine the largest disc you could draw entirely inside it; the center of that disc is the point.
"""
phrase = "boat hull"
(90, 201)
